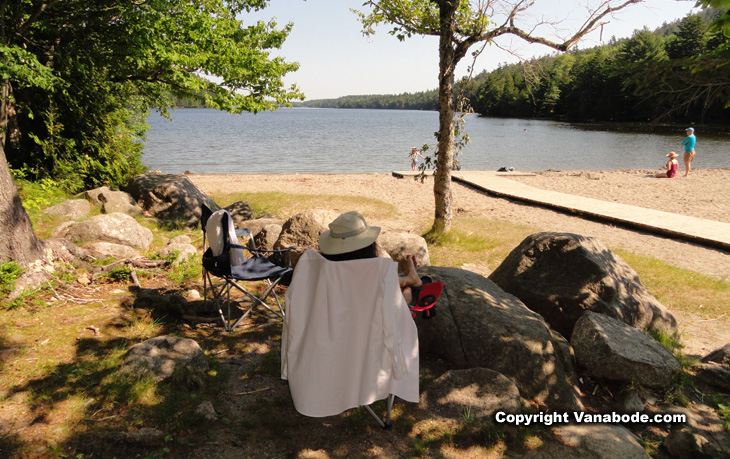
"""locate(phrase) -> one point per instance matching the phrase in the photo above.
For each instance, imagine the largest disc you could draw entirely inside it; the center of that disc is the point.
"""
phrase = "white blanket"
(348, 337)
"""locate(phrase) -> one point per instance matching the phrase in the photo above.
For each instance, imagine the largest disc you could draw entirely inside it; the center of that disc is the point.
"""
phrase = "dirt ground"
(703, 194)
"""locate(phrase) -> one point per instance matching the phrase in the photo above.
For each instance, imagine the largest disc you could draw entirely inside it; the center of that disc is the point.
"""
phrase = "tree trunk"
(443, 214)
(18, 242)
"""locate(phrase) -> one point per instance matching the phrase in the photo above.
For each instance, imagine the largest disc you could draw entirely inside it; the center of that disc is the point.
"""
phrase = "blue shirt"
(689, 143)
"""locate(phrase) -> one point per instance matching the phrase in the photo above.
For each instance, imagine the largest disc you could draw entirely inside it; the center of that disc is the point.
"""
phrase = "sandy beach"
(703, 194)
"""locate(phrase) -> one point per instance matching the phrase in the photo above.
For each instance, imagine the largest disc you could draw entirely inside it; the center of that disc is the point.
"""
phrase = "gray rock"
(401, 245)
(117, 228)
(98, 196)
(476, 392)
(207, 411)
(600, 441)
(112, 201)
(161, 356)
(302, 231)
(702, 436)
(257, 224)
(611, 349)
(170, 198)
(721, 355)
(478, 325)
(184, 250)
(560, 275)
(240, 212)
(109, 249)
(182, 239)
(267, 236)
(71, 209)
(714, 374)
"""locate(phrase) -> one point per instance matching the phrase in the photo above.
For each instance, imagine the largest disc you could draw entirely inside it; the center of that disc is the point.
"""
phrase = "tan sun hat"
(347, 233)
(672, 154)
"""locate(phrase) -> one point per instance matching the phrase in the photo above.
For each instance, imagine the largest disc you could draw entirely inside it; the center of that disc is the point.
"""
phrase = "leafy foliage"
(81, 76)
(9, 273)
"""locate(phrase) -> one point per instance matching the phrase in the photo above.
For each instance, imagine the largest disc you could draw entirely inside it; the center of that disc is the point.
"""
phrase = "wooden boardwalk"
(693, 229)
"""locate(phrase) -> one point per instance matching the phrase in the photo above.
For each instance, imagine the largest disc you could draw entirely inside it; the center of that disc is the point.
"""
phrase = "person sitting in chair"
(350, 238)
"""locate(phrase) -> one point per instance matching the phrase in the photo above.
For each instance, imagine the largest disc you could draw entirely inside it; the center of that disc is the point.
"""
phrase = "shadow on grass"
(85, 407)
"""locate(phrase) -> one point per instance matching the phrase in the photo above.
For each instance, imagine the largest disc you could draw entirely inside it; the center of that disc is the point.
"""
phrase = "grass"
(680, 289)
(477, 241)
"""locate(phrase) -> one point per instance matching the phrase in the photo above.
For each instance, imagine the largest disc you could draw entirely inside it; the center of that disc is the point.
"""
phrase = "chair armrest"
(243, 232)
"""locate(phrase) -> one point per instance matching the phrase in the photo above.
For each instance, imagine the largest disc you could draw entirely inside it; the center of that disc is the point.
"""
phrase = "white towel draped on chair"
(214, 230)
(348, 337)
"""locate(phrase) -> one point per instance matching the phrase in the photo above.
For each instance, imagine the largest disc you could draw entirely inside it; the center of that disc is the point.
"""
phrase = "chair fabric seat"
(257, 268)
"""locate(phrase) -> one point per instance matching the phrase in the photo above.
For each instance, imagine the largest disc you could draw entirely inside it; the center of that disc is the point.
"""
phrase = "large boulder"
(112, 201)
(181, 247)
(611, 349)
(265, 231)
(240, 212)
(703, 435)
(171, 198)
(479, 325)
(109, 249)
(595, 441)
(714, 368)
(116, 228)
(71, 209)
(302, 231)
(401, 245)
(560, 275)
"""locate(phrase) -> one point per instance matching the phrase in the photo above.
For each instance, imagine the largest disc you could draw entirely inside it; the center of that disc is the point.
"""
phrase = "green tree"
(461, 24)
(78, 77)
(690, 40)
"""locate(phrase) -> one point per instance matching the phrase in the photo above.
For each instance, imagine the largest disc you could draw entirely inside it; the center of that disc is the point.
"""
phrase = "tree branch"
(40, 10)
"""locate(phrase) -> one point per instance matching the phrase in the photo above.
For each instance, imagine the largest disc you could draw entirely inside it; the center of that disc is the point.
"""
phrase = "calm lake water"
(348, 141)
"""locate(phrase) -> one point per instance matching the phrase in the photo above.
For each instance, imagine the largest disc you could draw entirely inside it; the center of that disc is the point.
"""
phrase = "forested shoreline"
(675, 74)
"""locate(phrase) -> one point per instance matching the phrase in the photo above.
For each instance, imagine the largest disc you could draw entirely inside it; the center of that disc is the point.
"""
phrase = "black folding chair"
(223, 258)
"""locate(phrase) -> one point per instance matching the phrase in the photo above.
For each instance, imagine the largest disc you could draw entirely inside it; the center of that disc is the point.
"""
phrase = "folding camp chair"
(348, 339)
(224, 258)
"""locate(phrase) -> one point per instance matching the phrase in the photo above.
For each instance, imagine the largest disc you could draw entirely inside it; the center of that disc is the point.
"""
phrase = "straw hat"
(672, 154)
(347, 233)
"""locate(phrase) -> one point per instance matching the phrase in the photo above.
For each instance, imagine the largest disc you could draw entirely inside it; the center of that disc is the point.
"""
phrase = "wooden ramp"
(698, 230)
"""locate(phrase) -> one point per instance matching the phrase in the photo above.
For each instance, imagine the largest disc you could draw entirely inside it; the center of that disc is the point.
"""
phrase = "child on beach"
(414, 158)
(672, 166)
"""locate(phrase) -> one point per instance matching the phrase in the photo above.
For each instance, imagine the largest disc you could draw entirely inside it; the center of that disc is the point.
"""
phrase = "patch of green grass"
(678, 288)
(185, 272)
(479, 241)
(9, 274)
(283, 205)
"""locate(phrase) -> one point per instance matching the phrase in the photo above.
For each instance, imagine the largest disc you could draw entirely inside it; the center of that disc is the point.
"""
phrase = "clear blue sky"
(337, 60)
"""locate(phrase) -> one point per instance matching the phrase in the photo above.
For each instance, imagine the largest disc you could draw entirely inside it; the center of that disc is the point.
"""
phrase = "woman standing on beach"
(689, 149)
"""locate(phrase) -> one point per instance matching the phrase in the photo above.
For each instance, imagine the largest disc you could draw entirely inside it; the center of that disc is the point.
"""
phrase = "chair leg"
(389, 407)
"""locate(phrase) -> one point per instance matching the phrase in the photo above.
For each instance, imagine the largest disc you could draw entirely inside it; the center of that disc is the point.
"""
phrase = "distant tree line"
(678, 72)
(427, 100)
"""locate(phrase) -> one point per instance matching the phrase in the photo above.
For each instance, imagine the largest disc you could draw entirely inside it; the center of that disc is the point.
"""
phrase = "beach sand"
(703, 194)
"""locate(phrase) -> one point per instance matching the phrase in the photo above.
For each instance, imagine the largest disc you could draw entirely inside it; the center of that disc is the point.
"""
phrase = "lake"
(303, 140)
